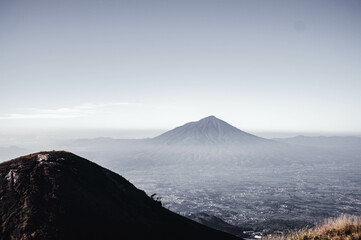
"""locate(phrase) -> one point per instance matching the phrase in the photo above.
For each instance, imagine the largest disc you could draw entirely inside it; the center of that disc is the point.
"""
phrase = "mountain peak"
(211, 117)
(207, 131)
(212, 121)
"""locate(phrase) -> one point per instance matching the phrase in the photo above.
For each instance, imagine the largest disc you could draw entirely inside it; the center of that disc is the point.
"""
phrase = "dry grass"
(344, 227)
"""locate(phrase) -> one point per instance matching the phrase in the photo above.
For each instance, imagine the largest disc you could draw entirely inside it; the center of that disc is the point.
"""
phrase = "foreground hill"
(58, 195)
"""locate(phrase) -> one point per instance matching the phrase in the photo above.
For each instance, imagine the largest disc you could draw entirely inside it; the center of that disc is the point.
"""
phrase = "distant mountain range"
(333, 143)
(58, 195)
(11, 152)
(212, 141)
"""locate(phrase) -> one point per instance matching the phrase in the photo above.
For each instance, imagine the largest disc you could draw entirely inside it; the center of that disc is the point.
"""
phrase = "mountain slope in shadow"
(58, 195)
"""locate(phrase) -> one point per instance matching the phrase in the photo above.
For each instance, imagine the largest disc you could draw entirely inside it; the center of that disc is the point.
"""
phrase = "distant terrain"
(209, 170)
(209, 166)
(11, 152)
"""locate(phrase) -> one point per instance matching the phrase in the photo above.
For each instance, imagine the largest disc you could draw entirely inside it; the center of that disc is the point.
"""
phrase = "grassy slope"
(345, 227)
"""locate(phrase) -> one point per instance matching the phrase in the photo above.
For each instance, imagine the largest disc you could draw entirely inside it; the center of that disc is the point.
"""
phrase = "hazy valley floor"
(273, 199)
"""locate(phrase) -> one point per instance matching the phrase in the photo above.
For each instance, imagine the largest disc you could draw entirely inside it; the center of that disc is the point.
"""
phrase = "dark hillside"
(58, 195)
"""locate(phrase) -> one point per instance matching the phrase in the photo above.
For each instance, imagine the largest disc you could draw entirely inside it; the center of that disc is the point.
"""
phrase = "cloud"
(92, 106)
(59, 113)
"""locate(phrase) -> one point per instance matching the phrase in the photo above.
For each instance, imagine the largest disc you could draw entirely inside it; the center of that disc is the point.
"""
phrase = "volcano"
(207, 131)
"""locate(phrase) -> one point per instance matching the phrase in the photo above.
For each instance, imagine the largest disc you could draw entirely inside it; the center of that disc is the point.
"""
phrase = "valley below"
(272, 199)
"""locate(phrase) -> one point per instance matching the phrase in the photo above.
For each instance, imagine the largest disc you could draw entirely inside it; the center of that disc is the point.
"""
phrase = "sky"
(112, 66)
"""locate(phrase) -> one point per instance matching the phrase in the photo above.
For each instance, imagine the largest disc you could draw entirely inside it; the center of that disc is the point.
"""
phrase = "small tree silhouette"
(156, 198)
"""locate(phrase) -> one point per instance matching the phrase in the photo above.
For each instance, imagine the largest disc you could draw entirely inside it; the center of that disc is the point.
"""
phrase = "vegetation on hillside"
(344, 227)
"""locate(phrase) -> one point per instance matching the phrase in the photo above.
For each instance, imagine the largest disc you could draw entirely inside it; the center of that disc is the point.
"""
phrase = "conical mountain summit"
(207, 131)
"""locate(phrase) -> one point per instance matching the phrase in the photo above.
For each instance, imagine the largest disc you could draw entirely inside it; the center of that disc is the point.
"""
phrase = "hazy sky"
(259, 65)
